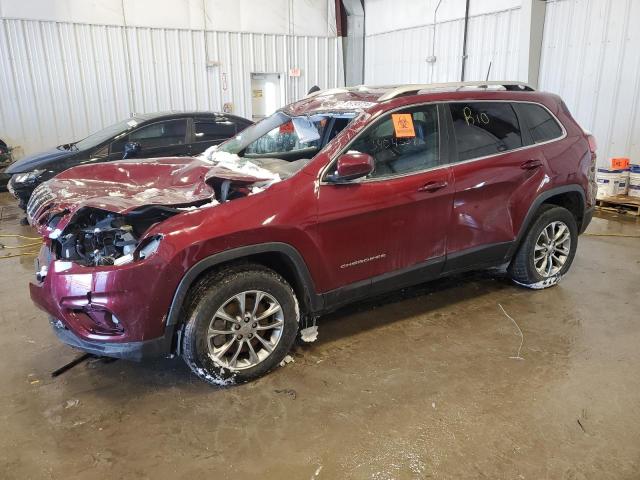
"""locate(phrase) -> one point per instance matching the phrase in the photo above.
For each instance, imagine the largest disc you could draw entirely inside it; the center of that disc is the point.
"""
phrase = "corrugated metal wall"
(61, 81)
(591, 57)
(400, 56)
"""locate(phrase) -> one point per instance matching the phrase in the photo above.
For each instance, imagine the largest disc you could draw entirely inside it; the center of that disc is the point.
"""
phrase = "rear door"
(496, 172)
(395, 220)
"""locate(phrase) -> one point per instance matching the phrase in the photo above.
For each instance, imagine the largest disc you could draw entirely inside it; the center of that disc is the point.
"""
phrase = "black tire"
(209, 295)
(522, 269)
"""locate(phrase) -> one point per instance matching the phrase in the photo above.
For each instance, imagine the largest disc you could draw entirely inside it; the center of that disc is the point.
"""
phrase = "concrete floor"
(420, 384)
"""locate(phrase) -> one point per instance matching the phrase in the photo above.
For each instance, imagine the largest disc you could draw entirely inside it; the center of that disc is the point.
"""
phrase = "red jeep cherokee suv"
(345, 194)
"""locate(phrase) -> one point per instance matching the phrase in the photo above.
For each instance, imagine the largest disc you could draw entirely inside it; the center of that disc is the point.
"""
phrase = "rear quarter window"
(542, 126)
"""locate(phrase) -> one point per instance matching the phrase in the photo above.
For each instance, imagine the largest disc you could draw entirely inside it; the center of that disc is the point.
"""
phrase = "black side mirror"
(131, 149)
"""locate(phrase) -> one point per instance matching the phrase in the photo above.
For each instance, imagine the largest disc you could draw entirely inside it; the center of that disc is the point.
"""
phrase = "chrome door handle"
(433, 186)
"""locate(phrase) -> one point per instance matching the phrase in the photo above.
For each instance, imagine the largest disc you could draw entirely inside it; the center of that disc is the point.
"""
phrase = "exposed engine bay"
(98, 237)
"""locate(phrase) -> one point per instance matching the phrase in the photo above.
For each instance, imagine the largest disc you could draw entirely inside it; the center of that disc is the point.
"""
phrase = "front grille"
(39, 198)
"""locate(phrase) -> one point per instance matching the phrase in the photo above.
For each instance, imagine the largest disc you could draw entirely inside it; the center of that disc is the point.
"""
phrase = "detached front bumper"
(113, 311)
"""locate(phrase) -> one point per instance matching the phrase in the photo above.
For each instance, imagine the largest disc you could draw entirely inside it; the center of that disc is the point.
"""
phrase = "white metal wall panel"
(591, 58)
(61, 81)
(284, 17)
(400, 56)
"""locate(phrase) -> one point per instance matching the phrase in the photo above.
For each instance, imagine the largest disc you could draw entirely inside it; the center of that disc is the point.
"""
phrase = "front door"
(167, 138)
(393, 221)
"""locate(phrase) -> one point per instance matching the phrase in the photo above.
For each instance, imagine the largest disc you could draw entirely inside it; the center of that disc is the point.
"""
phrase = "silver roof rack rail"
(417, 87)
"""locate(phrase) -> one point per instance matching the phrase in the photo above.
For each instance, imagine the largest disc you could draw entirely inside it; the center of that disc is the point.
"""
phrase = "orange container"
(619, 163)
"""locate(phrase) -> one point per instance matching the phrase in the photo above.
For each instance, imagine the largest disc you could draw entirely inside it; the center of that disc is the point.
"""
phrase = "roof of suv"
(363, 97)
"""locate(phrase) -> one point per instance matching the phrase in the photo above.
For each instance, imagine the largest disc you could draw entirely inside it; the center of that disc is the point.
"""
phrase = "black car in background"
(142, 136)
(5, 161)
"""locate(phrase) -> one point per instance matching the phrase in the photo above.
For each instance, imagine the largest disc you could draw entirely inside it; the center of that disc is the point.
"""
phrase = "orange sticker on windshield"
(403, 125)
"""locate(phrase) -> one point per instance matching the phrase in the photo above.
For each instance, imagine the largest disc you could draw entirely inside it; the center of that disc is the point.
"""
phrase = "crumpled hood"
(123, 186)
(39, 160)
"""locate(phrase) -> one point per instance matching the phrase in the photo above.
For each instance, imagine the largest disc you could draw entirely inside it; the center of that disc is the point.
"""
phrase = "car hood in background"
(39, 160)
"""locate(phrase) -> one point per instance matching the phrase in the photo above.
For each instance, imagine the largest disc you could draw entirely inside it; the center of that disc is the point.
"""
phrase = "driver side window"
(159, 134)
(402, 142)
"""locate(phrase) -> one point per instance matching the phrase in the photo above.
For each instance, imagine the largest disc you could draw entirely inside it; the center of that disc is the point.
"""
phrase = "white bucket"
(608, 182)
(634, 184)
(623, 182)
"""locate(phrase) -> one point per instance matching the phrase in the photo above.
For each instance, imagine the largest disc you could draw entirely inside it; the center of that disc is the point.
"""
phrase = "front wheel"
(241, 323)
(548, 249)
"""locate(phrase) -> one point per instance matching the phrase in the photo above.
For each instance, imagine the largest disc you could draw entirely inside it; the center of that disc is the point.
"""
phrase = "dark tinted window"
(485, 128)
(542, 125)
(161, 134)
(403, 142)
(211, 130)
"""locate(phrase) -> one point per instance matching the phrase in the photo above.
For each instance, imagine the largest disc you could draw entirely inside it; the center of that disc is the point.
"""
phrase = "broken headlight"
(28, 177)
(147, 247)
(101, 238)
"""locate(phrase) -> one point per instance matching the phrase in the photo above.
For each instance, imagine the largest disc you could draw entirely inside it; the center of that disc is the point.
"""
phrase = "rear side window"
(542, 125)
(161, 134)
(211, 130)
(485, 128)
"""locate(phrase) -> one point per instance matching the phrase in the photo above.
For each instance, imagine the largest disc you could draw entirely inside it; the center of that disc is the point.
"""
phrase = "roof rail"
(416, 87)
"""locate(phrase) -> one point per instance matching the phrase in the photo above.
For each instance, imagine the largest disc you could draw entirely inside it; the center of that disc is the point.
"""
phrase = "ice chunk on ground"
(285, 360)
(309, 334)
(547, 282)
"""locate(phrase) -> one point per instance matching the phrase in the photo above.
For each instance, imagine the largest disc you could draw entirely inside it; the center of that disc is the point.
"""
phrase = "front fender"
(300, 268)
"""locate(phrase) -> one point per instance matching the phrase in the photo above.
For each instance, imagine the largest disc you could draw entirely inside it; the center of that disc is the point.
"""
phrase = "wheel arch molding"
(299, 274)
(543, 198)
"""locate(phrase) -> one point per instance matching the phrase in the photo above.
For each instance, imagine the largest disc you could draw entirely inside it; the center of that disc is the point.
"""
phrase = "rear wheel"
(241, 324)
(548, 249)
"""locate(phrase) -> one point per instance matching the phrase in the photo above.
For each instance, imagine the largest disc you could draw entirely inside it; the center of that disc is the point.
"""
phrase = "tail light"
(593, 145)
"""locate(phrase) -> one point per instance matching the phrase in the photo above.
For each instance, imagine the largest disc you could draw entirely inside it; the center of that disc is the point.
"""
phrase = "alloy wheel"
(552, 249)
(245, 330)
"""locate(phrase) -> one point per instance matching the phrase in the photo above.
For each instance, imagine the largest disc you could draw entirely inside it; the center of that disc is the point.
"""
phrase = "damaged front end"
(102, 275)
(93, 221)
(99, 238)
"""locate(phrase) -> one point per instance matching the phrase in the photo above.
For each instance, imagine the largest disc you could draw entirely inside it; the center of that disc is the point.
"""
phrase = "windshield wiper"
(67, 146)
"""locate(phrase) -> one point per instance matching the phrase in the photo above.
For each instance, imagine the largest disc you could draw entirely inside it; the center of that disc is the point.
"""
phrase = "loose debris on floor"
(288, 391)
(71, 364)
(287, 359)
